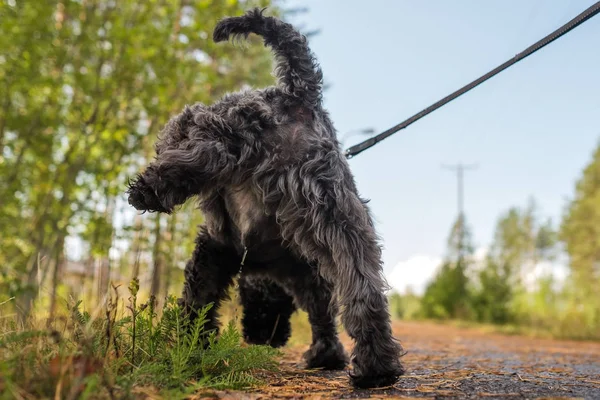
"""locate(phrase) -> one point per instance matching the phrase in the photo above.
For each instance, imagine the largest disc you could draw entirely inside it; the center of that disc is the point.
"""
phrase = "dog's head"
(197, 142)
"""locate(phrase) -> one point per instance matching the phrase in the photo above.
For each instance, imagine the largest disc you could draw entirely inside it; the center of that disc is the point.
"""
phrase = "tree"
(86, 87)
(447, 295)
(460, 243)
(580, 232)
(492, 298)
(580, 229)
(521, 241)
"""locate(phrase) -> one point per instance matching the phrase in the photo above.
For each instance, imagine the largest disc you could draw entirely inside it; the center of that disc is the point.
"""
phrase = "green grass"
(126, 354)
(533, 318)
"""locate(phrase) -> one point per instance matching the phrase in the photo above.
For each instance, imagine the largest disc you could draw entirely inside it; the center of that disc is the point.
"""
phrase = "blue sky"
(531, 129)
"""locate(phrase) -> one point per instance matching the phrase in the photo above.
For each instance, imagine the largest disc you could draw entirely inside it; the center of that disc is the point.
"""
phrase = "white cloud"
(413, 273)
(418, 270)
(480, 254)
(533, 273)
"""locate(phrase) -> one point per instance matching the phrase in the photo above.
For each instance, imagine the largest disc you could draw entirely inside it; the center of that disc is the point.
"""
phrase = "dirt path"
(450, 362)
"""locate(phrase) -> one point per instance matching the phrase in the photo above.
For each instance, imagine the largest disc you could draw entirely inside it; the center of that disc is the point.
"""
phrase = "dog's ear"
(173, 133)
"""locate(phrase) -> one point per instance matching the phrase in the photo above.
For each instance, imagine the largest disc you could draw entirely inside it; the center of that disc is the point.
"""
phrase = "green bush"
(492, 299)
(447, 296)
(406, 306)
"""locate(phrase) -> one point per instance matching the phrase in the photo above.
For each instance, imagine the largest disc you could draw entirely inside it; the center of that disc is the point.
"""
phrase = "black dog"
(279, 198)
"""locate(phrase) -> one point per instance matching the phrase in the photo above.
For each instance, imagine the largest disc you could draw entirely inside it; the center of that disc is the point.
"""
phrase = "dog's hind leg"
(208, 276)
(329, 223)
(267, 311)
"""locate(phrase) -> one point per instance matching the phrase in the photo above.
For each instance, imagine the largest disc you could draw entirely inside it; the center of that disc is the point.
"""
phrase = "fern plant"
(110, 356)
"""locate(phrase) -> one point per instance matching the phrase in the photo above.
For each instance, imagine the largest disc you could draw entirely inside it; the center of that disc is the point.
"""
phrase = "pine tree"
(447, 295)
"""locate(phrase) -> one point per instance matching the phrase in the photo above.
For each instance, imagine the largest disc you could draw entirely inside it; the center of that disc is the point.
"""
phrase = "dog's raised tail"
(297, 70)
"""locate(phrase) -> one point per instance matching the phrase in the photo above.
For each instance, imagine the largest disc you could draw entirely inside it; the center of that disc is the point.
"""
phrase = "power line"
(460, 170)
(575, 22)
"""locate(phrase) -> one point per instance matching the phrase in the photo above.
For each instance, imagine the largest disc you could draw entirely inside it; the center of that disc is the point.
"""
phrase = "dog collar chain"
(239, 274)
(237, 282)
(243, 257)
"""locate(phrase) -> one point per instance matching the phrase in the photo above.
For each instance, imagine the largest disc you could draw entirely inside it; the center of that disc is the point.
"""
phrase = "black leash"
(575, 22)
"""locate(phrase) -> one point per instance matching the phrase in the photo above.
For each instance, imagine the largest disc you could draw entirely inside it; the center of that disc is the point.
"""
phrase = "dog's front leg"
(208, 275)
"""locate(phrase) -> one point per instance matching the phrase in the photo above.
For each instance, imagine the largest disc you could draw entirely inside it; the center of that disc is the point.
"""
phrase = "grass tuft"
(125, 354)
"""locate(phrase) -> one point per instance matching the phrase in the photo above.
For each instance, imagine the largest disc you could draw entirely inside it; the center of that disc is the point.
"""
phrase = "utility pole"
(460, 169)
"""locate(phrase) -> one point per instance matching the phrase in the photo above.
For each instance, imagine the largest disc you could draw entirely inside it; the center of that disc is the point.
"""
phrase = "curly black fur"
(271, 181)
(267, 311)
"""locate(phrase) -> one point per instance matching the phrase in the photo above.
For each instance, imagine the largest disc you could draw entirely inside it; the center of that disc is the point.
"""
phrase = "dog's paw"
(276, 341)
(143, 198)
(326, 354)
(379, 374)
(373, 381)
